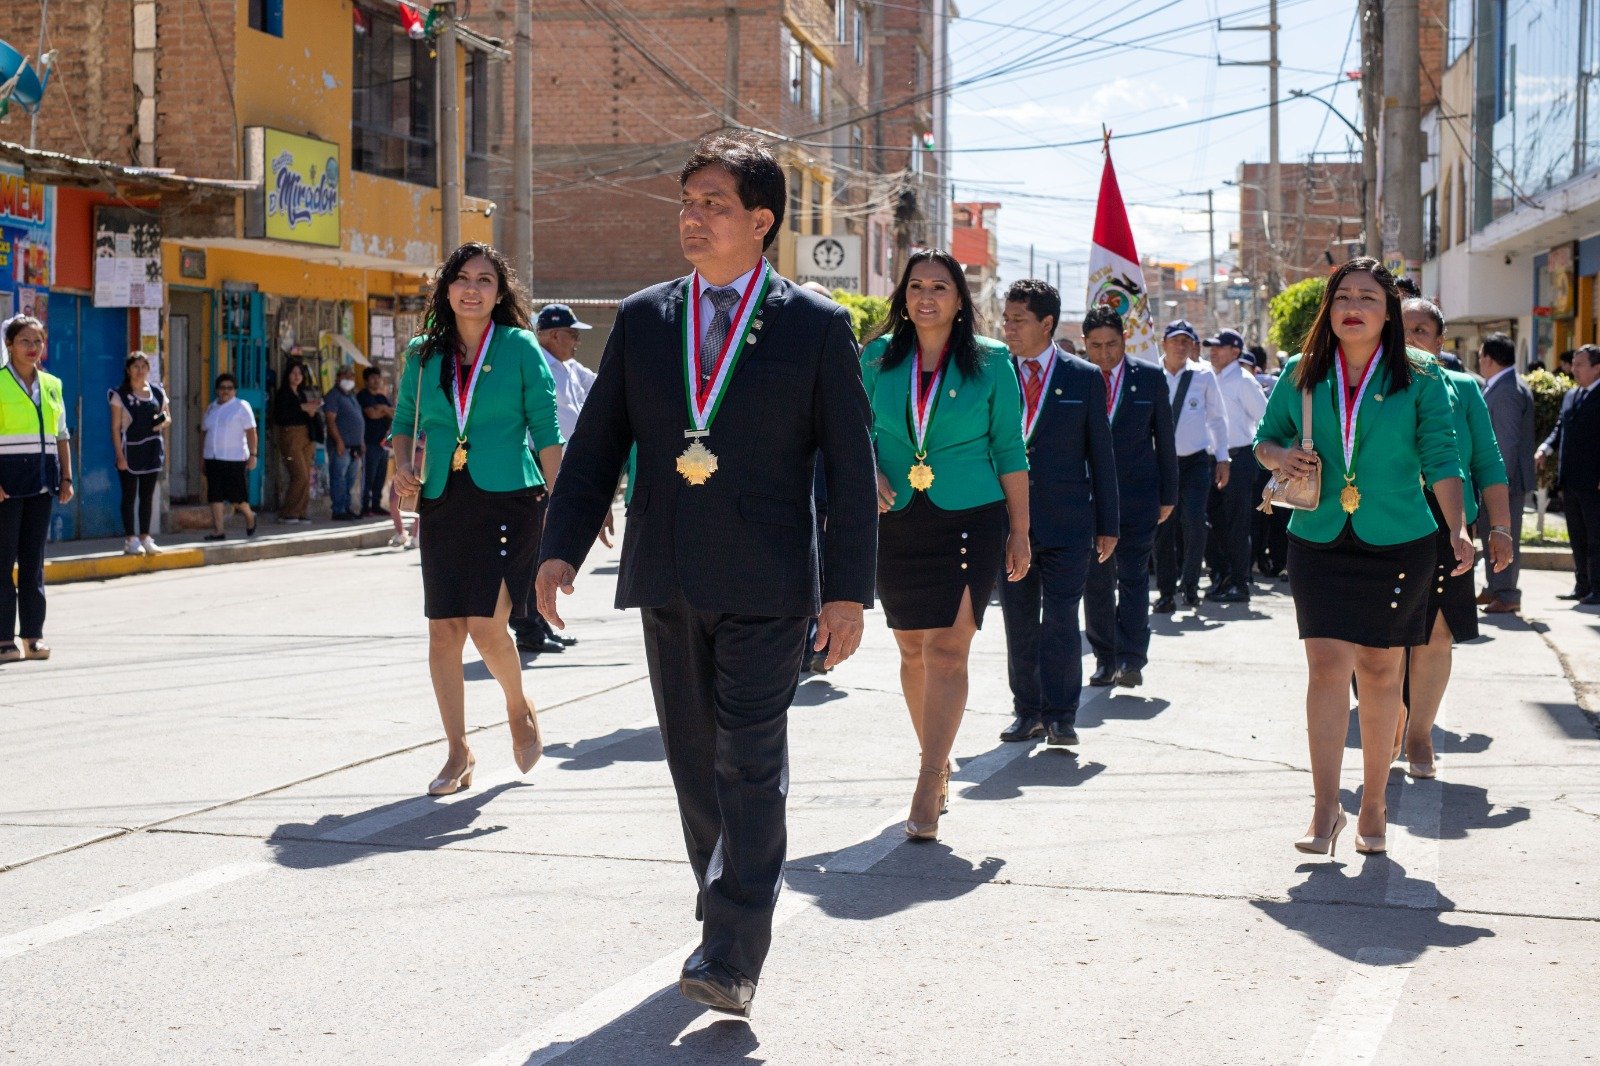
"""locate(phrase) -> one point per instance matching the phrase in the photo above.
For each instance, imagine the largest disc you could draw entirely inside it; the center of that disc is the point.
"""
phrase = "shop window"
(861, 36)
(841, 21)
(815, 88)
(816, 207)
(796, 204)
(267, 16)
(393, 129)
(797, 61)
(480, 91)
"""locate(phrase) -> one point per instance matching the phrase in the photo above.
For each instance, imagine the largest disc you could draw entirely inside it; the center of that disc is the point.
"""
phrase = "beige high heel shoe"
(529, 755)
(449, 786)
(37, 649)
(930, 830)
(1315, 845)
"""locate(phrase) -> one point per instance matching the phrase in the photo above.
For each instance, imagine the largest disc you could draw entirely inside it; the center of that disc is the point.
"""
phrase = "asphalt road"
(215, 849)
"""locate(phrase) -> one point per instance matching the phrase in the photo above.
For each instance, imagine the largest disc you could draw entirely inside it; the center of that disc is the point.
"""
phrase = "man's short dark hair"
(1102, 317)
(1499, 349)
(1039, 297)
(229, 378)
(1407, 285)
(1590, 353)
(371, 372)
(755, 171)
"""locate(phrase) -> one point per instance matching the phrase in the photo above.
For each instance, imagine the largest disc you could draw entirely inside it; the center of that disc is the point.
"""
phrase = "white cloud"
(1121, 96)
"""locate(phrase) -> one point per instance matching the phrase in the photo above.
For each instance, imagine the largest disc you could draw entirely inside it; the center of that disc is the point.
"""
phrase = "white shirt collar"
(1173, 374)
(1049, 352)
(737, 284)
(1496, 376)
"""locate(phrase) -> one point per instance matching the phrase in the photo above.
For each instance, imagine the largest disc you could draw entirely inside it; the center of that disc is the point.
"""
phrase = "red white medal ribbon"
(923, 401)
(703, 399)
(1114, 388)
(1031, 411)
(1348, 412)
(463, 402)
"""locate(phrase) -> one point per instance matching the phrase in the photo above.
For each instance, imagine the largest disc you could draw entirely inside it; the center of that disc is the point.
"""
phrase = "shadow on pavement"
(910, 875)
(302, 846)
(1345, 930)
(1170, 625)
(1044, 768)
(1119, 704)
(816, 692)
(1574, 721)
(649, 1033)
(1448, 743)
(620, 745)
(1462, 809)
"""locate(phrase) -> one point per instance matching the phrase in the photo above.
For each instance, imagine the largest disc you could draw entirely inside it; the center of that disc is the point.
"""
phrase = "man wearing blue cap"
(1246, 403)
(1200, 428)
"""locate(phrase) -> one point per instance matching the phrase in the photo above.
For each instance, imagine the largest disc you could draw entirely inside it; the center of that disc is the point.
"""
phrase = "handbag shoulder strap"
(1305, 419)
(416, 418)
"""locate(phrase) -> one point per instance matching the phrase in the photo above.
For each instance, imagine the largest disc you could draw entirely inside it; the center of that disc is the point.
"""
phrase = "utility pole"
(1211, 254)
(1371, 119)
(1030, 261)
(449, 141)
(1402, 155)
(1274, 170)
(522, 146)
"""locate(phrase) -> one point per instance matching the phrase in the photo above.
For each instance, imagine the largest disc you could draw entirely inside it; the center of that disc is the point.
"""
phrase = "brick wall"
(194, 76)
(1432, 16)
(89, 106)
(1317, 198)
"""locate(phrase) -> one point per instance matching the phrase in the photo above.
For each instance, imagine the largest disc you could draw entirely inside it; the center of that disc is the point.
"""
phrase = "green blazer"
(1402, 438)
(975, 436)
(1479, 452)
(515, 401)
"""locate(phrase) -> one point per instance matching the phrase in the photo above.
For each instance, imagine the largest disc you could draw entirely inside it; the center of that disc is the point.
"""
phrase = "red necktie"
(1034, 385)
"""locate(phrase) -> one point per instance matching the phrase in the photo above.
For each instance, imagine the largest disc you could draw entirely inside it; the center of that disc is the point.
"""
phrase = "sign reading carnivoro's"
(297, 198)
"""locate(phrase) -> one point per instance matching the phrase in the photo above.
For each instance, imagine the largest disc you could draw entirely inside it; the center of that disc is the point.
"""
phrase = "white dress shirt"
(1246, 403)
(573, 381)
(708, 309)
(1202, 425)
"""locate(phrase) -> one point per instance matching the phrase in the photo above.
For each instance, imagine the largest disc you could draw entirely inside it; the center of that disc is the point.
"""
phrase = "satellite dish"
(19, 83)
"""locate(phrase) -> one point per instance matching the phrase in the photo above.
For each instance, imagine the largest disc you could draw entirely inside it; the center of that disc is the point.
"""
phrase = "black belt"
(1193, 457)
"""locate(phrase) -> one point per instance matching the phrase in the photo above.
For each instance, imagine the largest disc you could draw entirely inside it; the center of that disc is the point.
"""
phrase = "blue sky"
(1053, 71)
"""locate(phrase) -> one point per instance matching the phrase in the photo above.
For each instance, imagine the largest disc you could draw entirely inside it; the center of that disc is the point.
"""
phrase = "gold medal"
(1350, 496)
(458, 460)
(921, 476)
(697, 463)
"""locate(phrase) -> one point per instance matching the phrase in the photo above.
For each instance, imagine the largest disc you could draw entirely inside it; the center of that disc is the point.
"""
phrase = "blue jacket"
(1072, 467)
(1147, 458)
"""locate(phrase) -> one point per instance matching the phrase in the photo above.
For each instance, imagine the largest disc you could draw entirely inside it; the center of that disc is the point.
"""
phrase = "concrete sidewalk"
(97, 560)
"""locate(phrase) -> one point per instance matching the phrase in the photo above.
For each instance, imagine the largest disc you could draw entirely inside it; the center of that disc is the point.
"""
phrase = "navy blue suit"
(1072, 498)
(1575, 442)
(1117, 599)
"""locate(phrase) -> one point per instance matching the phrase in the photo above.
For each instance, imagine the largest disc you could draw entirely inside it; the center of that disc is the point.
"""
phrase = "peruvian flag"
(413, 20)
(1115, 277)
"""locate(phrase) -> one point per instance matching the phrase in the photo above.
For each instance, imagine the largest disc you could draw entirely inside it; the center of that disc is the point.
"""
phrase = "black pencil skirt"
(1373, 596)
(1451, 594)
(473, 542)
(928, 556)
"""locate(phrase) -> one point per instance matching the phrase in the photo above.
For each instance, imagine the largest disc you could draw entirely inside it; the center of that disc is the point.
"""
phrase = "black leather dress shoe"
(1234, 594)
(1103, 675)
(1129, 677)
(1023, 727)
(565, 642)
(1573, 595)
(1591, 600)
(1191, 597)
(1165, 605)
(1060, 735)
(716, 985)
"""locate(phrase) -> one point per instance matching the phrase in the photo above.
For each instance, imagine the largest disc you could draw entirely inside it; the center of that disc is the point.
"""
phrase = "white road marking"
(1361, 1010)
(1414, 874)
(126, 907)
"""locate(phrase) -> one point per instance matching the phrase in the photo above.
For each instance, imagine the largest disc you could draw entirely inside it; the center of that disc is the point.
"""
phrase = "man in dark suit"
(731, 382)
(1575, 442)
(1511, 412)
(1072, 493)
(1117, 600)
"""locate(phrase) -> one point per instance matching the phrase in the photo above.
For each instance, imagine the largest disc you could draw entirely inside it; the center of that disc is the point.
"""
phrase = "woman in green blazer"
(952, 496)
(477, 386)
(1362, 563)
(1452, 607)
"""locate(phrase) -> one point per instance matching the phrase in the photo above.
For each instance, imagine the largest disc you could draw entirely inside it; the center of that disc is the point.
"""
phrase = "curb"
(1541, 557)
(103, 566)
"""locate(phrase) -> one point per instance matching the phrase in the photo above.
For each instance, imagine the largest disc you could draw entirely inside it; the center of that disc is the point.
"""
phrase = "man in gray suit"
(1511, 411)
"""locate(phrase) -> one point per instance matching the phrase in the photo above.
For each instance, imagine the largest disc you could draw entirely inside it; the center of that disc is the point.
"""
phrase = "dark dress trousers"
(1072, 498)
(1575, 441)
(1117, 598)
(727, 572)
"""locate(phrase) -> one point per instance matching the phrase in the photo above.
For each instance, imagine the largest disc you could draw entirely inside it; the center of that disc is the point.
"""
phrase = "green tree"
(867, 313)
(1548, 390)
(1292, 311)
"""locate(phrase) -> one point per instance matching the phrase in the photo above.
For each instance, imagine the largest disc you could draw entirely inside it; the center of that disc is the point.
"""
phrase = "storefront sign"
(127, 258)
(192, 263)
(1560, 290)
(831, 261)
(27, 237)
(299, 194)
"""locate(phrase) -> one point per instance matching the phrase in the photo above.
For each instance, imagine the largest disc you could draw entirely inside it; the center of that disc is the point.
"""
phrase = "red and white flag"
(1115, 277)
(414, 20)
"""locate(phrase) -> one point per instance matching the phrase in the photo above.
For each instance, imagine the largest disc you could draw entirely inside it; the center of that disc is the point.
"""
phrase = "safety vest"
(28, 461)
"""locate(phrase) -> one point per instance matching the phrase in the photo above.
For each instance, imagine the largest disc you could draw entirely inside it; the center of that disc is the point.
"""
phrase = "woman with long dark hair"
(140, 419)
(476, 384)
(294, 410)
(35, 469)
(1363, 563)
(952, 495)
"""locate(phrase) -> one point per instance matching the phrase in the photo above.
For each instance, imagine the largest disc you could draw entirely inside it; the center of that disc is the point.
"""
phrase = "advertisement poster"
(299, 199)
(27, 240)
(127, 258)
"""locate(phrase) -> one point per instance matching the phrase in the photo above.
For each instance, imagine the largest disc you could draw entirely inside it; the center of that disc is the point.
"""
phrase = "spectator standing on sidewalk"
(1575, 442)
(35, 466)
(1236, 496)
(294, 410)
(1511, 412)
(346, 434)
(1200, 428)
(140, 419)
(229, 446)
(378, 410)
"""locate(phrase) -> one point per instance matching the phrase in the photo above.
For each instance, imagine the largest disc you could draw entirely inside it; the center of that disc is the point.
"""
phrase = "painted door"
(86, 349)
(244, 332)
